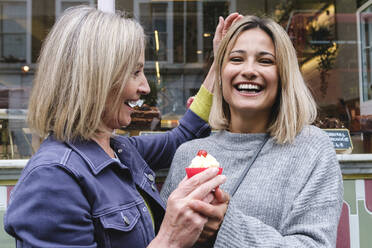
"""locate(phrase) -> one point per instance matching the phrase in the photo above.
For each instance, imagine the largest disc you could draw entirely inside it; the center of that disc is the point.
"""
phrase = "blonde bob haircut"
(294, 107)
(87, 56)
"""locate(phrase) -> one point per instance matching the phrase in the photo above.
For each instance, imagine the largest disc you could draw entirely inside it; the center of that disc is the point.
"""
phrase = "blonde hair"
(87, 55)
(294, 107)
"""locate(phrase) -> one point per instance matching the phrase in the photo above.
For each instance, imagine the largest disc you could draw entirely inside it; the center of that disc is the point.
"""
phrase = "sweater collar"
(238, 141)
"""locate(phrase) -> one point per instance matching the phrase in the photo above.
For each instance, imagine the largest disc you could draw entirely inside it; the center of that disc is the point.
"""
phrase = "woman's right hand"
(182, 226)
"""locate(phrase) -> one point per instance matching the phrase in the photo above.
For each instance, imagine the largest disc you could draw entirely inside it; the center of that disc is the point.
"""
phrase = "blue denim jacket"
(75, 195)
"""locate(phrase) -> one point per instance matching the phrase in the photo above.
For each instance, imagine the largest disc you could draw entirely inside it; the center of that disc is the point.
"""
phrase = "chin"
(125, 123)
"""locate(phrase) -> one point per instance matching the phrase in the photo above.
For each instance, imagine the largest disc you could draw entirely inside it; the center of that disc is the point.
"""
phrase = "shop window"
(19, 50)
(13, 31)
(180, 35)
(179, 31)
(62, 5)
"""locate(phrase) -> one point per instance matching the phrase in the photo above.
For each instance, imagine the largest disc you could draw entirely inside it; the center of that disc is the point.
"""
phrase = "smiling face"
(136, 86)
(250, 77)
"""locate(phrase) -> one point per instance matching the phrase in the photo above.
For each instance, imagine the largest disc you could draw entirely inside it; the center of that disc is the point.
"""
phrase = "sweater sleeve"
(202, 104)
(311, 222)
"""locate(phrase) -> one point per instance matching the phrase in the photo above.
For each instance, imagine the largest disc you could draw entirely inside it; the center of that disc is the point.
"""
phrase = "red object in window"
(189, 101)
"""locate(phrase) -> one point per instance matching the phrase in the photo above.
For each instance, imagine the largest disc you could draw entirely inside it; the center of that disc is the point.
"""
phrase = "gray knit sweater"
(291, 197)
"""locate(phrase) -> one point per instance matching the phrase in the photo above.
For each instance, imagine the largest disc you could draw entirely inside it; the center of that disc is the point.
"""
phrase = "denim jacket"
(72, 194)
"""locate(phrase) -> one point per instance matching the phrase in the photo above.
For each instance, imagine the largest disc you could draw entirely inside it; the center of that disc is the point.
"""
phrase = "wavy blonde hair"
(294, 107)
(87, 55)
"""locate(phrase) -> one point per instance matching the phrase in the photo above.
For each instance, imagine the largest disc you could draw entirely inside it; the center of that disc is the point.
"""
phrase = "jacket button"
(126, 220)
(150, 177)
(153, 187)
(120, 150)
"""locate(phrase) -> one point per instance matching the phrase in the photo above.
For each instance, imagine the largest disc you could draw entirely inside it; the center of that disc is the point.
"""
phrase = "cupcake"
(201, 162)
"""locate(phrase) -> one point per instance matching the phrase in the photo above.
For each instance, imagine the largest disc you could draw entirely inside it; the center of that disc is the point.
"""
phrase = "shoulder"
(51, 152)
(313, 137)
(55, 156)
(312, 132)
(316, 145)
(312, 146)
(43, 179)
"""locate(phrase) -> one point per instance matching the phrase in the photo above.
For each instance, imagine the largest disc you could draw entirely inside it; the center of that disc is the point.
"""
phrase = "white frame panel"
(106, 5)
(365, 106)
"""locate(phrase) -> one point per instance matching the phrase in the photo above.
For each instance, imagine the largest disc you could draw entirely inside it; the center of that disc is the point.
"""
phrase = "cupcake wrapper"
(193, 171)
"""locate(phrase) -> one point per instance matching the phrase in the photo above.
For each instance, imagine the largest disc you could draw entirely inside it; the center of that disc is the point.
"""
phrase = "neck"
(249, 123)
(103, 140)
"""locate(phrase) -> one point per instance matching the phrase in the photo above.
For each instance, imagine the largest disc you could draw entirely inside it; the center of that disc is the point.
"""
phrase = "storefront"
(333, 39)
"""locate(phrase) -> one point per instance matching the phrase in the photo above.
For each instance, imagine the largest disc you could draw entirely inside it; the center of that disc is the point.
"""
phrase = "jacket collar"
(96, 158)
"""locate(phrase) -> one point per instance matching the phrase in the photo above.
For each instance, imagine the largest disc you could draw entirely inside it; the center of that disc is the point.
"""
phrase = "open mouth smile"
(249, 88)
(134, 103)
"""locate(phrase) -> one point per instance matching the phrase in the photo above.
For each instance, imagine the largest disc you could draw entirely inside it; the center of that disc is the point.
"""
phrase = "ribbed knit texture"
(291, 197)
(202, 103)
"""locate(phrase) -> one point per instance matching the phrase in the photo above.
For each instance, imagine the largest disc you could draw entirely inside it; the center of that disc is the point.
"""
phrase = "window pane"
(16, 73)
(13, 32)
(153, 17)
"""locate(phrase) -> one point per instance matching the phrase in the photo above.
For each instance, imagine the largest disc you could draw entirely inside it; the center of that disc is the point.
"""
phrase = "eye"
(267, 61)
(137, 72)
(236, 59)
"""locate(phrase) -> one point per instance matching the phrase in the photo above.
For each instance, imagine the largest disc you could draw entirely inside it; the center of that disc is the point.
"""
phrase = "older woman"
(283, 174)
(85, 186)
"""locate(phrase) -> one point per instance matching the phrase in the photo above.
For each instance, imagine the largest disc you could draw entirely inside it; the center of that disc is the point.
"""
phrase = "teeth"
(248, 87)
(138, 103)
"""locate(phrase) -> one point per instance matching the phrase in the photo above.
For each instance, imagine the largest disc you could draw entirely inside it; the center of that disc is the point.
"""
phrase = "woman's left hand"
(215, 213)
(222, 28)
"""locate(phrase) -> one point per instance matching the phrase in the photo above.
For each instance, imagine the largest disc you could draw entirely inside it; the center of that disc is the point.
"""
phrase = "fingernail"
(214, 169)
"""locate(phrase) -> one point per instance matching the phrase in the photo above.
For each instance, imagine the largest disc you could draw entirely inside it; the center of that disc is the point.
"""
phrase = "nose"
(249, 70)
(144, 87)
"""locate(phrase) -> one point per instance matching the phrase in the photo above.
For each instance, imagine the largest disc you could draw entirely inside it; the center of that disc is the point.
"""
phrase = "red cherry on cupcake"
(202, 153)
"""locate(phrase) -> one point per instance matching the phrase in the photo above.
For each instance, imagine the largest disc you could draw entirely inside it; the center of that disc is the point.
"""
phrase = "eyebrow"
(259, 54)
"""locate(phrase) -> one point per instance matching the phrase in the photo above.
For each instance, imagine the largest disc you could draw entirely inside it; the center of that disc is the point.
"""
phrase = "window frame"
(365, 105)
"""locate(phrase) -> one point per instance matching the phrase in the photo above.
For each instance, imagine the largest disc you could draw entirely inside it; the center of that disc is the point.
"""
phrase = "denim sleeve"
(158, 150)
(49, 209)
